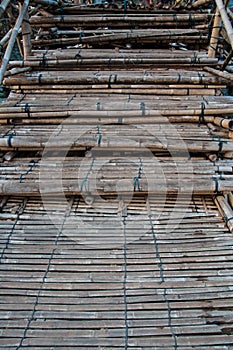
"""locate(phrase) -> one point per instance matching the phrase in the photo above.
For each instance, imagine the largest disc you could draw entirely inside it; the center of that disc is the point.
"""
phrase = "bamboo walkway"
(116, 176)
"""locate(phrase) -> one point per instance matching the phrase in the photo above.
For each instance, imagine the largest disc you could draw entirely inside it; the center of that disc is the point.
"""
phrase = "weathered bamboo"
(134, 37)
(199, 3)
(119, 20)
(13, 37)
(114, 78)
(230, 199)
(226, 211)
(219, 73)
(214, 35)
(3, 6)
(226, 21)
(107, 137)
(224, 123)
(6, 38)
(54, 3)
(116, 62)
(26, 33)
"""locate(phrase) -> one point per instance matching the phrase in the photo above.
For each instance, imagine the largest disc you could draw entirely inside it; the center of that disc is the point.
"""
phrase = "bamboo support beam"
(13, 37)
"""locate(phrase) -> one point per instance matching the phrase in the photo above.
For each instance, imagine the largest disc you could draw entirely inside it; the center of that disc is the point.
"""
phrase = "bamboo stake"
(11, 43)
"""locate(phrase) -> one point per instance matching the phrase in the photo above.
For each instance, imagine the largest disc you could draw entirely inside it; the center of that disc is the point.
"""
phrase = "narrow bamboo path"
(116, 177)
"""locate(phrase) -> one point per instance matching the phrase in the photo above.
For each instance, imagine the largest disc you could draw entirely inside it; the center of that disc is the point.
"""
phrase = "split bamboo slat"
(173, 287)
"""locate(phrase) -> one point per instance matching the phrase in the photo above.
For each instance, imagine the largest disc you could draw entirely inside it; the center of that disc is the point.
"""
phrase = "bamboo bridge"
(116, 158)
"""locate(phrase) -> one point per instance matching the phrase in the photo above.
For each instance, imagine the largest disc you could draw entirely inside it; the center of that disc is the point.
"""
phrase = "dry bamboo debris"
(122, 20)
(117, 137)
(101, 175)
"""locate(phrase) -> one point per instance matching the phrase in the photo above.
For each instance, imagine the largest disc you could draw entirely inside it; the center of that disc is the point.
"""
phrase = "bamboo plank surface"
(192, 301)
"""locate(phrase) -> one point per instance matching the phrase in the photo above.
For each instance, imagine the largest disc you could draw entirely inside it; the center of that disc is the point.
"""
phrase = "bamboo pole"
(226, 21)
(220, 74)
(11, 43)
(215, 35)
(3, 6)
(54, 3)
(6, 38)
(200, 3)
(26, 33)
(226, 210)
(230, 199)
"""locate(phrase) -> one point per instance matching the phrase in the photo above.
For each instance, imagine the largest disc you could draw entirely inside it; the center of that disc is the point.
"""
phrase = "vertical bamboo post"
(26, 34)
(13, 37)
(214, 36)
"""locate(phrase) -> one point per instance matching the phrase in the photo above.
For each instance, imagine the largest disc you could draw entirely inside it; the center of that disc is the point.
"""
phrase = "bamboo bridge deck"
(116, 176)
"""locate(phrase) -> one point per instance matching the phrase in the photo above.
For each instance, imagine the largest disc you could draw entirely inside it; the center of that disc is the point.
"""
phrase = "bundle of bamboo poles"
(100, 174)
(141, 109)
(115, 78)
(90, 58)
(163, 20)
(117, 137)
(139, 37)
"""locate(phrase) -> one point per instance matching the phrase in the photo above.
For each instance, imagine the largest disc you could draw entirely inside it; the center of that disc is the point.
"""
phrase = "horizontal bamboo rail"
(119, 20)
